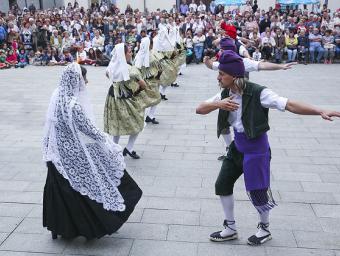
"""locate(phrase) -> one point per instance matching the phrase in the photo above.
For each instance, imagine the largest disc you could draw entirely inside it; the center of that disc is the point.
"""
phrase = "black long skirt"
(68, 213)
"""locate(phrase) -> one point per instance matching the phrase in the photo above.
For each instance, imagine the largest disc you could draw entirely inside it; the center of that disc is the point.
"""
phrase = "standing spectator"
(315, 46)
(199, 40)
(303, 46)
(329, 46)
(291, 44)
(189, 44)
(26, 37)
(280, 44)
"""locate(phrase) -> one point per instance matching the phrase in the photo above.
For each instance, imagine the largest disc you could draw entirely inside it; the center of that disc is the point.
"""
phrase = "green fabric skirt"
(150, 96)
(123, 116)
(169, 74)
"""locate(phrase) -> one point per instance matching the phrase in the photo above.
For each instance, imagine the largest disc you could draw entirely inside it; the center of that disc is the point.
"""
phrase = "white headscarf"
(88, 158)
(143, 56)
(162, 41)
(118, 69)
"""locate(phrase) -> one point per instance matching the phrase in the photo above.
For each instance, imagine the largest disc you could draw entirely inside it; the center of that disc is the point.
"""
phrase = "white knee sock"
(228, 208)
(151, 112)
(116, 139)
(264, 218)
(227, 139)
(131, 142)
(162, 89)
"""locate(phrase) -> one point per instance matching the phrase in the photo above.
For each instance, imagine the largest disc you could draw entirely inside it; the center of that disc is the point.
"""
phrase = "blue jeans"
(108, 49)
(337, 51)
(198, 52)
(315, 48)
(291, 54)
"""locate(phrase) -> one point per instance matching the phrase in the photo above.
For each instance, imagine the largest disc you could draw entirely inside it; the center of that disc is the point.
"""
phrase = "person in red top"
(12, 58)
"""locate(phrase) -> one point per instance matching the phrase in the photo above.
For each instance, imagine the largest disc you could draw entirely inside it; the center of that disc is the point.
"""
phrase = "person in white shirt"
(202, 7)
(199, 40)
(257, 55)
(193, 6)
(244, 106)
(98, 41)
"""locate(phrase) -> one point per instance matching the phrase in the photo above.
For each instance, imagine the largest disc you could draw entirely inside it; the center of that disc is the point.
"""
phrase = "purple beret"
(227, 43)
(231, 64)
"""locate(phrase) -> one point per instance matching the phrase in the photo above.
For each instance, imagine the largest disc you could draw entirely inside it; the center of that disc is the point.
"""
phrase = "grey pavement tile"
(144, 180)
(164, 248)
(307, 197)
(33, 243)
(136, 215)
(296, 176)
(20, 197)
(178, 182)
(159, 191)
(328, 211)
(194, 150)
(142, 231)
(290, 186)
(321, 240)
(182, 204)
(330, 178)
(275, 251)
(3, 236)
(331, 225)
(36, 212)
(8, 224)
(15, 210)
(320, 187)
(170, 217)
(11, 253)
(315, 168)
(101, 247)
(31, 226)
(217, 249)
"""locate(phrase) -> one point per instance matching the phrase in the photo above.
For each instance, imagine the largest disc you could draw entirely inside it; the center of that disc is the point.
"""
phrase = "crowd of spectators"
(61, 35)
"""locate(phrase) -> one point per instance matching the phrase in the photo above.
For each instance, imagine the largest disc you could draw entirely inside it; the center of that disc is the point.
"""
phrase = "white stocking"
(162, 89)
(227, 139)
(228, 208)
(116, 139)
(152, 111)
(131, 142)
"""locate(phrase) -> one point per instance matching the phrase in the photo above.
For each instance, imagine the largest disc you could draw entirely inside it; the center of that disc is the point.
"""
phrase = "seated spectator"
(82, 57)
(303, 46)
(291, 44)
(98, 41)
(198, 41)
(56, 40)
(337, 41)
(102, 59)
(315, 46)
(3, 57)
(11, 58)
(66, 57)
(267, 45)
(329, 46)
(87, 43)
(22, 59)
(280, 44)
(257, 56)
(67, 41)
(54, 58)
(209, 46)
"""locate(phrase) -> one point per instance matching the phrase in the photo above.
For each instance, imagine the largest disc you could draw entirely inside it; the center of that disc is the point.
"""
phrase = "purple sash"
(256, 169)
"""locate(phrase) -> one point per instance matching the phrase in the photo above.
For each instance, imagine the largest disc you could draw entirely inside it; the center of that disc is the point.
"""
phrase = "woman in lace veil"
(87, 191)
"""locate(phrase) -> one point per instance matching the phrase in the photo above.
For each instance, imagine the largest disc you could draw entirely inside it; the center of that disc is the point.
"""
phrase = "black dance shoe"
(255, 241)
(54, 235)
(216, 236)
(151, 120)
(132, 154)
(174, 85)
(163, 97)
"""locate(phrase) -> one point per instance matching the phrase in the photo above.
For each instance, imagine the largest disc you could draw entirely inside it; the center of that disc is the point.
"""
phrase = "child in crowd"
(66, 57)
(329, 46)
(11, 58)
(257, 55)
(3, 57)
(22, 59)
(38, 59)
(82, 58)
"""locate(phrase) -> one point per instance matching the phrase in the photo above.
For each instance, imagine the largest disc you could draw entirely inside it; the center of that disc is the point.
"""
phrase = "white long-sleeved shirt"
(269, 99)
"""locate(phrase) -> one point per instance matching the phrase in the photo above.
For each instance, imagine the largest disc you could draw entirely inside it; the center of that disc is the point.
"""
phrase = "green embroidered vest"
(254, 116)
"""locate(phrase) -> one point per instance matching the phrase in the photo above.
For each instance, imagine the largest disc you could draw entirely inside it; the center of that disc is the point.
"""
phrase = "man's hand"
(288, 65)
(228, 104)
(327, 115)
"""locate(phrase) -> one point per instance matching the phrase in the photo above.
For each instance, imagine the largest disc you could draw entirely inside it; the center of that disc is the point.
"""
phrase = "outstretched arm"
(226, 104)
(274, 66)
(306, 109)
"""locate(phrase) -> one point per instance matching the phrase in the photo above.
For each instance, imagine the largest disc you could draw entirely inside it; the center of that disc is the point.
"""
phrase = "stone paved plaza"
(178, 168)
